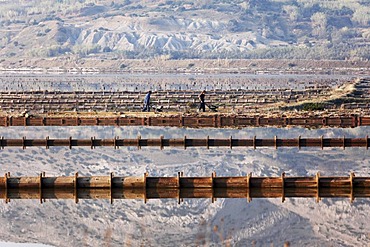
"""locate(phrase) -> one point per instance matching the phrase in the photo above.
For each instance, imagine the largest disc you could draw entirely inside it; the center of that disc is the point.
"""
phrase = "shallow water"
(162, 82)
(194, 222)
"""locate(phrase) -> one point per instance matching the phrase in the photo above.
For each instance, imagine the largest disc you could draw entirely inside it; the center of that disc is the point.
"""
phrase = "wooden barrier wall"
(201, 121)
(185, 142)
(145, 187)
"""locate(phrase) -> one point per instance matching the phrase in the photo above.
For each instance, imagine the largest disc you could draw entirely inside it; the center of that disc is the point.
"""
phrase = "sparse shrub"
(56, 50)
(84, 50)
(192, 105)
(313, 107)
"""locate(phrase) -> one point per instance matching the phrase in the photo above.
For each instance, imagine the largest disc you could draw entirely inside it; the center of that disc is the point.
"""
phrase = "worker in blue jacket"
(147, 102)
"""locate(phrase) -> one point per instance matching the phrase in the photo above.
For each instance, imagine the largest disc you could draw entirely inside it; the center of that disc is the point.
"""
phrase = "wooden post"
(233, 122)
(275, 141)
(149, 123)
(145, 176)
(70, 142)
(299, 142)
(344, 142)
(213, 176)
(351, 177)
(184, 142)
(367, 142)
(6, 187)
(161, 142)
(40, 187)
(23, 142)
(181, 174)
(47, 142)
(318, 187)
(249, 198)
(138, 142)
(92, 142)
(254, 142)
(283, 187)
(322, 142)
(178, 179)
(115, 142)
(231, 142)
(178, 187)
(75, 187)
(353, 122)
(111, 187)
(43, 175)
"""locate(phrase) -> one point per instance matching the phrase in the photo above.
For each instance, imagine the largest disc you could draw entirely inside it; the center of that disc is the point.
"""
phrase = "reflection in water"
(180, 187)
(301, 221)
(180, 194)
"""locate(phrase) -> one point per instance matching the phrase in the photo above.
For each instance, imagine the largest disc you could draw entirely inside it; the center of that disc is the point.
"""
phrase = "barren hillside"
(179, 29)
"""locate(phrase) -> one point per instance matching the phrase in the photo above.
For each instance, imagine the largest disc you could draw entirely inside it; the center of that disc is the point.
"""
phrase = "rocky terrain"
(179, 29)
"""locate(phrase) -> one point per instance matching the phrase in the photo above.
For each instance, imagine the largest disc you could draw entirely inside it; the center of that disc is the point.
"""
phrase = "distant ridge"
(177, 29)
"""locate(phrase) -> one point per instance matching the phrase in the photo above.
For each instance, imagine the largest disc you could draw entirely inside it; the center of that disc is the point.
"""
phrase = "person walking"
(147, 102)
(202, 105)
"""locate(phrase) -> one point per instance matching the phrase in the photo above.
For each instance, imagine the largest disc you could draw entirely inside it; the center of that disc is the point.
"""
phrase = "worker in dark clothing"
(202, 105)
(147, 102)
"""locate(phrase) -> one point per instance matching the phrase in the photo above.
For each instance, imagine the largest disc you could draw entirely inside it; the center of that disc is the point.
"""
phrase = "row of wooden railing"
(199, 121)
(185, 142)
(180, 187)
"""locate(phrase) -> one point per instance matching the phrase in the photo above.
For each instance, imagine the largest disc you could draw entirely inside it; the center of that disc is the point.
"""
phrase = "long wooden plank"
(201, 121)
(189, 142)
